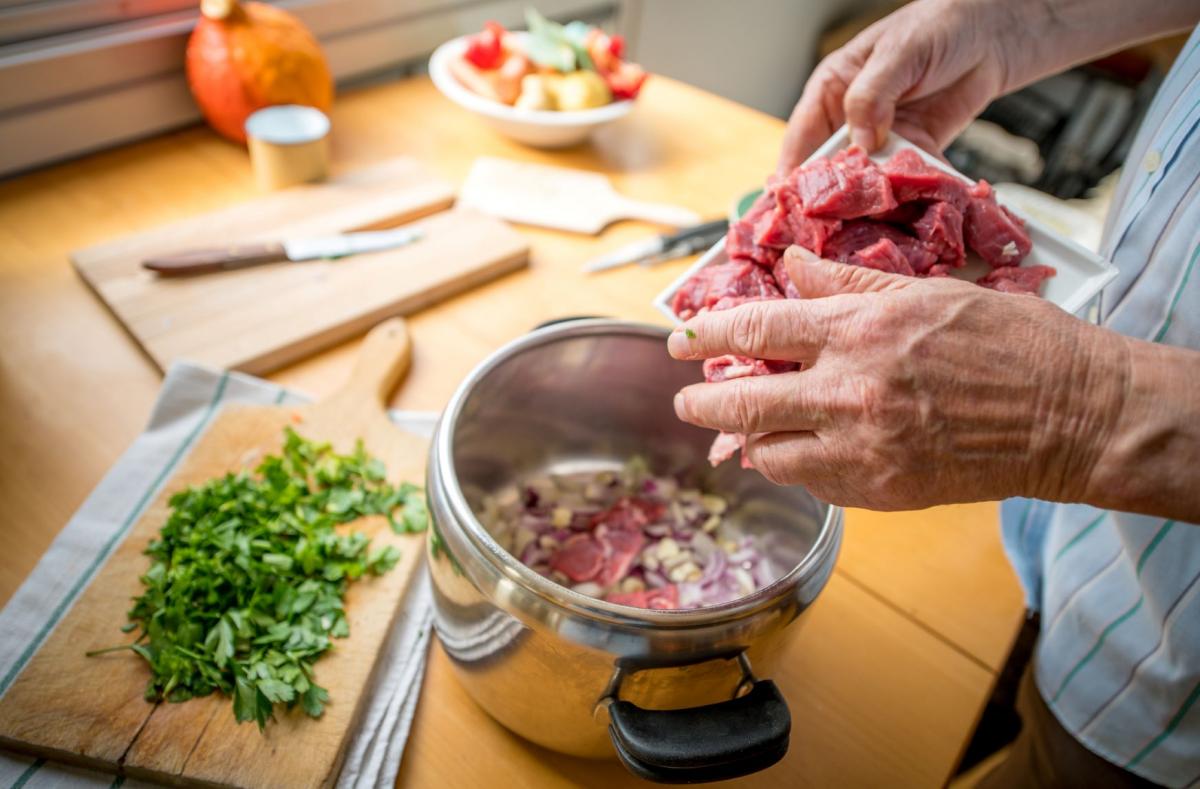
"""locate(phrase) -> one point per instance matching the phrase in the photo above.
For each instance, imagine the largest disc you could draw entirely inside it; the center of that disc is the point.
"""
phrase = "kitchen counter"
(892, 666)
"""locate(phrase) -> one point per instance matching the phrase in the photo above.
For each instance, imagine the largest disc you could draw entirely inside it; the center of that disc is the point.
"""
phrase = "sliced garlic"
(683, 572)
(667, 548)
(508, 497)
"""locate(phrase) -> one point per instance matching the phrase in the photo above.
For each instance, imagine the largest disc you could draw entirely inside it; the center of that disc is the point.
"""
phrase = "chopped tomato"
(474, 79)
(506, 80)
(616, 46)
(604, 50)
(626, 80)
(486, 50)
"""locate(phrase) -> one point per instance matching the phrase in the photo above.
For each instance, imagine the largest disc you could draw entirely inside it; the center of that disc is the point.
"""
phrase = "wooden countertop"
(890, 669)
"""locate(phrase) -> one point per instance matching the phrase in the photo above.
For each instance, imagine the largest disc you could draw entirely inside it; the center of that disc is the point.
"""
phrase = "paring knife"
(201, 261)
(659, 248)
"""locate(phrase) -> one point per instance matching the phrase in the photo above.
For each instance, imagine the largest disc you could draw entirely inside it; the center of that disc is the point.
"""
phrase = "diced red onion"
(528, 516)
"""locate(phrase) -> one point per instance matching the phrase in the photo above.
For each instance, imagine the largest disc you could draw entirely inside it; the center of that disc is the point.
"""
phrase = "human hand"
(914, 392)
(925, 70)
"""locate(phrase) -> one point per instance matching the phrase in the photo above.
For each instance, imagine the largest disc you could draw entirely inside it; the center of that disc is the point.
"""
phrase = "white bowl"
(539, 128)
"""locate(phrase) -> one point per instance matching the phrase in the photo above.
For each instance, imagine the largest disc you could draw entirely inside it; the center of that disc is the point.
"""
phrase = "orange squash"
(242, 57)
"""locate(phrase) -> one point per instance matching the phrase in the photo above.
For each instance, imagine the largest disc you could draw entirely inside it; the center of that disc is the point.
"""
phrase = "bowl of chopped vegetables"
(550, 87)
(590, 568)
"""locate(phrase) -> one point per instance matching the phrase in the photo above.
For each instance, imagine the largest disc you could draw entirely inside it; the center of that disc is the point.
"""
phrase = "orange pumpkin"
(243, 57)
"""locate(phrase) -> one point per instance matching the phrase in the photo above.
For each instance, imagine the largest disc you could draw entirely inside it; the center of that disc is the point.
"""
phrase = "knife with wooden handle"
(235, 256)
(202, 261)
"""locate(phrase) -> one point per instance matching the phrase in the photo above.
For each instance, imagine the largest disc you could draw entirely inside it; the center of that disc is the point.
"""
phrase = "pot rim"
(563, 597)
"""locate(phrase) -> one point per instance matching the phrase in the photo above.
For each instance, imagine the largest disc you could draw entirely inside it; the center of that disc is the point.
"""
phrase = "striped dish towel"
(189, 399)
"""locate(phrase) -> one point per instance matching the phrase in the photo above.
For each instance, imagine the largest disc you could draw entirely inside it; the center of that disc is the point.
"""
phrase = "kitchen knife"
(659, 248)
(234, 256)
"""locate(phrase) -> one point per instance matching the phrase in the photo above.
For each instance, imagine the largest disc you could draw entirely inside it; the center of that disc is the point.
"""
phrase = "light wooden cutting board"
(70, 707)
(259, 319)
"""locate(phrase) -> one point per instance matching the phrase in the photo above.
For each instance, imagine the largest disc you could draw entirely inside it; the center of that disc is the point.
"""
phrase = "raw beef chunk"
(740, 242)
(940, 229)
(883, 255)
(912, 178)
(787, 224)
(845, 186)
(621, 547)
(904, 214)
(730, 366)
(605, 553)
(1017, 279)
(784, 280)
(581, 558)
(813, 232)
(992, 231)
(725, 446)
(862, 233)
(737, 278)
(726, 368)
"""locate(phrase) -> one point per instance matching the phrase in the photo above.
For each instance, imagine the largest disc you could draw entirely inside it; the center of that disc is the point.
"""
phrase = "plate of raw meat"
(899, 209)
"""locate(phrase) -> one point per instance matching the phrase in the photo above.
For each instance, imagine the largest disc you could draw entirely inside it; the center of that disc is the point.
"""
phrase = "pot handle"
(714, 742)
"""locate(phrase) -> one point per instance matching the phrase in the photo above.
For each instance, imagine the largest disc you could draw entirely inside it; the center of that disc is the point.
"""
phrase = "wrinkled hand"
(914, 392)
(925, 70)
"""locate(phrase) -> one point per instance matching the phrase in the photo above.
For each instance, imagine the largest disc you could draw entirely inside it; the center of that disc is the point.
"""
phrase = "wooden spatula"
(91, 710)
(557, 197)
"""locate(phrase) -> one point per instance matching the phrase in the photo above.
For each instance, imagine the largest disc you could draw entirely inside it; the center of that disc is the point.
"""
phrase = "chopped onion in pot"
(628, 537)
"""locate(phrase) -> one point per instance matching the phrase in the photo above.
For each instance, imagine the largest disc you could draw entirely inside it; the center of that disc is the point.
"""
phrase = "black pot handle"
(728, 739)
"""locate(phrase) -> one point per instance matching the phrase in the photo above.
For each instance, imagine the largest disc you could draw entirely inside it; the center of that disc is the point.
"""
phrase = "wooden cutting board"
(558, 197)
(259, 319)
(74, 708)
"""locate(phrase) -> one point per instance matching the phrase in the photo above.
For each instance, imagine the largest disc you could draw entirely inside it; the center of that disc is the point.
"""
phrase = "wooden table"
(891, 668)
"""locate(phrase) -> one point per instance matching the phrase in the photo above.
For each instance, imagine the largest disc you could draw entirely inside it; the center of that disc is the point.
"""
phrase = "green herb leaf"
(314, 700)
(548, 43)
(247, 577)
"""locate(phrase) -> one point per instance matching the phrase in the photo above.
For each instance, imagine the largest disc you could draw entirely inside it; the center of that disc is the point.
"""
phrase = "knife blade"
(656, 249)
(234, 256)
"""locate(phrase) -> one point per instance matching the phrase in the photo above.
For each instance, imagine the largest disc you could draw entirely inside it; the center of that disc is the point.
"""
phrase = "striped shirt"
(1118, 661)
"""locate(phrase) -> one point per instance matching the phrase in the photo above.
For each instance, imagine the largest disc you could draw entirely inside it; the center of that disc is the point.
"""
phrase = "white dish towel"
(189, 399)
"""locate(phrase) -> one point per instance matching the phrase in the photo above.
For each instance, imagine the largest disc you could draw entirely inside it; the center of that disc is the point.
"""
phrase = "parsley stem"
(106, 650)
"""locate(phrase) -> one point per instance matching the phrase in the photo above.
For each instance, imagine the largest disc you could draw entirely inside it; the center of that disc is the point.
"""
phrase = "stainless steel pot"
(675, 694)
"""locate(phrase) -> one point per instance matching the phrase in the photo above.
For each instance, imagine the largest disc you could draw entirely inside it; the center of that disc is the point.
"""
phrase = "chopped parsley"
(248, 574)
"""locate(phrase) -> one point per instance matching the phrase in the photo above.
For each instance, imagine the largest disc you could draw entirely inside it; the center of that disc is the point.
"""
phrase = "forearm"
(1149, 462)
(1042, 37)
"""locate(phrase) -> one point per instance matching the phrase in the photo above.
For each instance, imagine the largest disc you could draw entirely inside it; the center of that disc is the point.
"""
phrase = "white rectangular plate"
(1081, 273)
